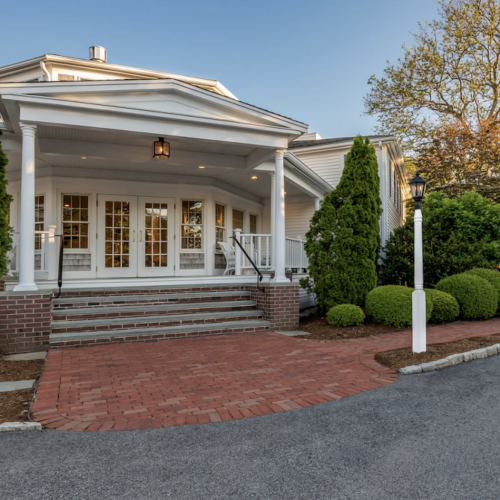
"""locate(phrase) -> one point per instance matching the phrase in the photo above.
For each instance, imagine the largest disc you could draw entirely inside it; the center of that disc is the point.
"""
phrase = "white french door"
(155, 237)
(135, 236)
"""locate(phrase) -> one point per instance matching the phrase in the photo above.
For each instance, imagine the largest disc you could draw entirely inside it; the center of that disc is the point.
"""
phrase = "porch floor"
(192, 381)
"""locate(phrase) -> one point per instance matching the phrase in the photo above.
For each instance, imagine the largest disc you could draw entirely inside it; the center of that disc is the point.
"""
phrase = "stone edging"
(453, 359)
(20, 426)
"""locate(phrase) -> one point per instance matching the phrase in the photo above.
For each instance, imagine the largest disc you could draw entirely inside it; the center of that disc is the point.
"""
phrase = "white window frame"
(242, 219)
(87, 250)
(202, 238)
(224, 227)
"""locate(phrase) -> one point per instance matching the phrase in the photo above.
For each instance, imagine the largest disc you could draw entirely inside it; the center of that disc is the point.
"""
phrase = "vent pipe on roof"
(97, 53)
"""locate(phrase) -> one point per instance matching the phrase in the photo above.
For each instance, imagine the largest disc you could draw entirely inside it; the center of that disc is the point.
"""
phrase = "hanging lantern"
(161, 149)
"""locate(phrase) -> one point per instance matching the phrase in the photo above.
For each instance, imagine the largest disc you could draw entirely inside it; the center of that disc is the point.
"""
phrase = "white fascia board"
(166, 85)
(59, 112)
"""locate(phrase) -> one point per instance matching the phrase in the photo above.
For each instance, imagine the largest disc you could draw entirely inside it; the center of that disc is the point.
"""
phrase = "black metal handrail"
(257, 270)
(60, 265)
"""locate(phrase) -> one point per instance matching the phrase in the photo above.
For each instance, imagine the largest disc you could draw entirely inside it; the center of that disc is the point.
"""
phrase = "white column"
(279, 218)
(27, 219)
(273, 218)
(418, 296)
(317, 204)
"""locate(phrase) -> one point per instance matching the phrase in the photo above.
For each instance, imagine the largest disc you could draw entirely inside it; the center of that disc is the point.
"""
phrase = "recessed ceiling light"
(84, 157)
(253, 177)
(201, 166)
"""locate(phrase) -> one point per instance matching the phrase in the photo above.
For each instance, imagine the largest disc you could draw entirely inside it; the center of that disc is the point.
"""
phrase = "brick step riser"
(150, 291)
(153, 338)
(188, 300)
(149, 312)
(152, 324)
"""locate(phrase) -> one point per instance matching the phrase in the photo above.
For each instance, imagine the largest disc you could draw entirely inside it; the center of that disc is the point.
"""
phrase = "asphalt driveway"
(429, 436)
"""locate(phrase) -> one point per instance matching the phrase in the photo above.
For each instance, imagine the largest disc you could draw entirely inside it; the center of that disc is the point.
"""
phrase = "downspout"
(46, 72)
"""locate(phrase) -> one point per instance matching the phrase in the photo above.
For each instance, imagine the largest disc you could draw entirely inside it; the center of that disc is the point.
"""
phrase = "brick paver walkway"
(191, 381)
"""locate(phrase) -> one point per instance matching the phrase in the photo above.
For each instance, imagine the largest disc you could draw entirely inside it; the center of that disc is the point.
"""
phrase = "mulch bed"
(14, 405)
(319, 329)
(399, 358)
(20, 370)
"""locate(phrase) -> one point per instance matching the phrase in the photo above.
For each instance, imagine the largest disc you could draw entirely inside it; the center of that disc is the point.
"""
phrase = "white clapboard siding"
(327, 164)
(298, 217)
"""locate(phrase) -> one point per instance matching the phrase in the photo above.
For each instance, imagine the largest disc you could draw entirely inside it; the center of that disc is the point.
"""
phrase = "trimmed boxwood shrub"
(345, 315)
(391, 305)
(445, 308)
(475, 296)
(492, 277)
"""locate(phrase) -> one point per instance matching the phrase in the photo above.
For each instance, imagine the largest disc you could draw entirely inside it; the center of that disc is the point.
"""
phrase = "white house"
(80, 138)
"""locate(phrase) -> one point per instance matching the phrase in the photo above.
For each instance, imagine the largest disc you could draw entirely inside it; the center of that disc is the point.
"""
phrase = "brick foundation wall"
(279, 303)
(24, 321)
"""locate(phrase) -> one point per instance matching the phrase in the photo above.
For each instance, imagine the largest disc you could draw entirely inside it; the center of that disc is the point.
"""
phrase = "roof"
(334, 140)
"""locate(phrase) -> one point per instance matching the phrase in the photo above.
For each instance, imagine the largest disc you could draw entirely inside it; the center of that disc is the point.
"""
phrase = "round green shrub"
(445, 308)
(492, 277)
(392, 305)
(475, 296)
(345, 315)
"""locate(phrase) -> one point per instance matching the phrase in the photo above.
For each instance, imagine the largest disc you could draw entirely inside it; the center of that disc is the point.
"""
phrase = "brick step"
(161, 333)
(164, 298)
(71, 314)
(104, 324)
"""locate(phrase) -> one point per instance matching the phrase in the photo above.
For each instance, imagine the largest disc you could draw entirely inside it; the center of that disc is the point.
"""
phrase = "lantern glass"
(161, 149)
(417, 186)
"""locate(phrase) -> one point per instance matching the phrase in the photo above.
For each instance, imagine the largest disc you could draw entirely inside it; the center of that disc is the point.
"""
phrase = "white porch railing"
(259, 249)
(40, 253)
(295, 254)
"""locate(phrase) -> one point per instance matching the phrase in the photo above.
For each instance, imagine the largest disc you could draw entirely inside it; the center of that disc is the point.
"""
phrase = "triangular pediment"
(174, 98)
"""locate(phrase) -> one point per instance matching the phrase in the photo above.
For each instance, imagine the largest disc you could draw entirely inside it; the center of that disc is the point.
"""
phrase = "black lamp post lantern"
(161, 149)
(417, 186)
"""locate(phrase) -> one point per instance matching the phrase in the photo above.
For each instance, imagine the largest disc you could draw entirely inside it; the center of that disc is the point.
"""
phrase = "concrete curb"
(20, 426)
(452, 360)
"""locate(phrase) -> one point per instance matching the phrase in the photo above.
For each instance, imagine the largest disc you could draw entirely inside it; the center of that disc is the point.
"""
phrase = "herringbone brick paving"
(192, 381)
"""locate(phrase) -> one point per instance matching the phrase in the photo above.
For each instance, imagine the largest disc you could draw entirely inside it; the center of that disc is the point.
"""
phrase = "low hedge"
(345, 315)
(492, 277)
(445, 308)
(392, 305)
(475, 296)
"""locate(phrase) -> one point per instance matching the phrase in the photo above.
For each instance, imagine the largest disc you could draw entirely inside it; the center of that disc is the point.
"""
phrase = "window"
(220, 224)
(253, 224)
(394, 184)
(192, 225)
(237, 219)
(76, 221)
(390, 178)
(39, 220)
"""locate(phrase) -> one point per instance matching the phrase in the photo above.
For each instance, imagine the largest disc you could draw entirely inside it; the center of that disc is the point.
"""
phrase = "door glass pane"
(117, 240)
(156, 235)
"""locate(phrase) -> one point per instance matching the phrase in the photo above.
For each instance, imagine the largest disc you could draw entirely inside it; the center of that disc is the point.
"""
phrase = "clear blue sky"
(308, 59)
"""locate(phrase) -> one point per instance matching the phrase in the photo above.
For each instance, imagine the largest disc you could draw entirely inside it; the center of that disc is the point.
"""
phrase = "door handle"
(140, 236)
(133, 237)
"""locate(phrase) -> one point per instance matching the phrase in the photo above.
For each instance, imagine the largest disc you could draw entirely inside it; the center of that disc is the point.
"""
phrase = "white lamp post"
(419, 344)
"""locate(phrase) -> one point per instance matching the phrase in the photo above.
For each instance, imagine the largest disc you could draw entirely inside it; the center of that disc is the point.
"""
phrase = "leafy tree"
(451, 72)
(5, 201)
(344, 239)
(459, 234)
(459, 158)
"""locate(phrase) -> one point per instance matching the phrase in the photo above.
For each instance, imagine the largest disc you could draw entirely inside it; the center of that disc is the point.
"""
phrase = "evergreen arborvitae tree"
(344, 236)
(5, 201)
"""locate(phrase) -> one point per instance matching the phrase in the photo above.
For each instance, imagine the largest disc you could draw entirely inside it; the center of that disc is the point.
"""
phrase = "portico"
(126, 216)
